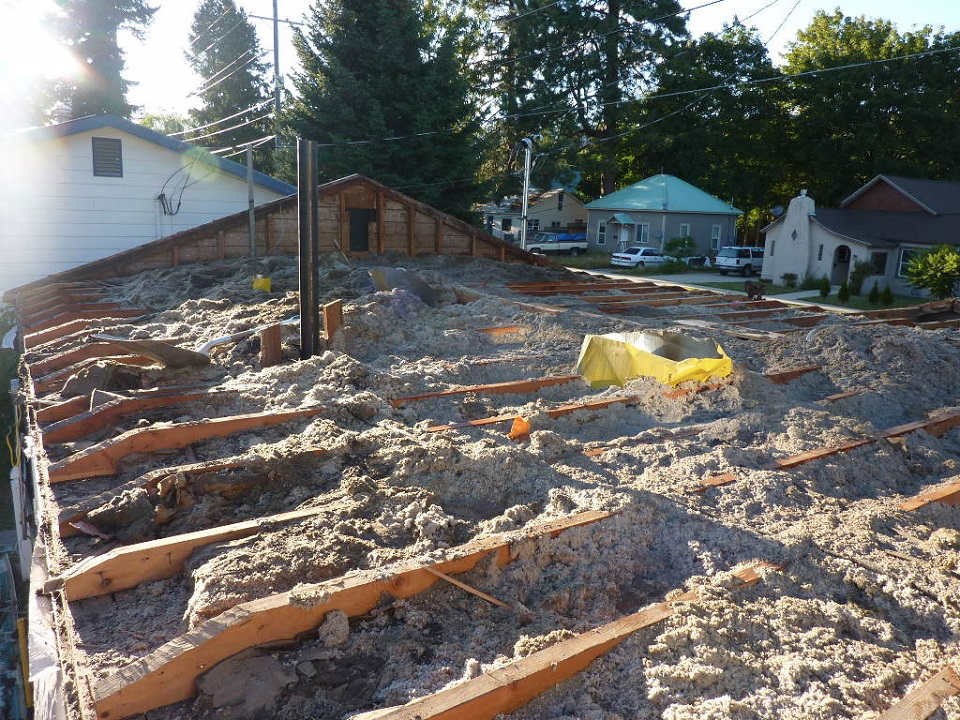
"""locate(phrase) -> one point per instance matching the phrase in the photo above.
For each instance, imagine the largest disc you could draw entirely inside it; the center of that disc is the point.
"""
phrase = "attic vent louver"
(107, 157)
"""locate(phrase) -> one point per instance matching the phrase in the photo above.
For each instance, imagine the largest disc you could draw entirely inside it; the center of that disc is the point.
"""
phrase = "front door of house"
(624, 236)
(360, 219)
(841, 265)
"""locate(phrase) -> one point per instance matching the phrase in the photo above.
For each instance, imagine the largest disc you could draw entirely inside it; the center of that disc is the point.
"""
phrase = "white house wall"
(55, 214)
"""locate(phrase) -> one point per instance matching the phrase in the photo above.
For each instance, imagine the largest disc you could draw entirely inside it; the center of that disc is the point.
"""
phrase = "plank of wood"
(934, 324)
(44, 315)
(411, 230)
(332, 313)
(748, 314)
(925, 699)
(503, 330)
(54, 381)
(463, 586)
(126, 567)
(587, 280)
(474, 423)
(381, 219)
(271, 345)
(782, 377)
(577, 289)
(930, 308)
(653, 299)
(635, 293)
(718, 480)
(437, 236)
(844, 394)
(511, 386)
(62, 410)
(680, 392)
(512, 686)
(742, 303)
(948, 494)
(169, 673)
(79, 426)
(803, 320)
(33, 340)
(71, 357)
(687, 300)
(818, 453)
(101, 459)
(87, 315)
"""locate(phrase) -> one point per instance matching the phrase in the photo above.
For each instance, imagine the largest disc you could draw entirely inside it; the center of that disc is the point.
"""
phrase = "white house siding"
(545, 211)
(55, 214)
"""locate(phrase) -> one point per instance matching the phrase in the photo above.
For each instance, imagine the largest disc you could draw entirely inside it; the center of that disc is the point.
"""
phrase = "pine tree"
(224, 50)
(375, 69)
(90, 27)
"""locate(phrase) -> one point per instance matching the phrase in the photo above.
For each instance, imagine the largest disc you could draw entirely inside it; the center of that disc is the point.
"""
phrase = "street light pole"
(528, 150)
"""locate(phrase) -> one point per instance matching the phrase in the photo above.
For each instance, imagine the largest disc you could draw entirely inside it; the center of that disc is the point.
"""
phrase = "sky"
(28, 52)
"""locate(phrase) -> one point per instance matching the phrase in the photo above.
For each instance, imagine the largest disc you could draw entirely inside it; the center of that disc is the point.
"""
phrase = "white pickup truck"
(547, 242)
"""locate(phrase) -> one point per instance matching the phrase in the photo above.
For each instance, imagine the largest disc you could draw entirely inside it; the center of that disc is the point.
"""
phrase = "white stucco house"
(94, 186)
(884, 223)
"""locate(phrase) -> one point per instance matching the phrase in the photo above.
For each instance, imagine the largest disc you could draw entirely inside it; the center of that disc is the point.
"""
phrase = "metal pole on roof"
(528, 149)
(309, 247)
(251, 218)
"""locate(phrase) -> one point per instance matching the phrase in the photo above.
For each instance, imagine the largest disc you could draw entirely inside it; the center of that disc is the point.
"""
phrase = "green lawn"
(600, 260)
(860, 302)
(768, 289)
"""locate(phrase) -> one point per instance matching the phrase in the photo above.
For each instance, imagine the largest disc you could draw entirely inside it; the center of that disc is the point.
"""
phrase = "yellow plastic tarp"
(671, 358)
(261, 283)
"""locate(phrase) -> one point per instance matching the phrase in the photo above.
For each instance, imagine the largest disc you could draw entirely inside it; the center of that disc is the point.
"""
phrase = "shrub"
(874, 297)
(671, 267)
(861, 271)
(886, 297)
(824, 286)
(679, 247)
(810, 282)
(843, 294)
(937, 270)
(789, 279)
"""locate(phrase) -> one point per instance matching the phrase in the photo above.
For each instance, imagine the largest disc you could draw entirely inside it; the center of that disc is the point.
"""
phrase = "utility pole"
(276, 60)
(251, 216)
(527, 151)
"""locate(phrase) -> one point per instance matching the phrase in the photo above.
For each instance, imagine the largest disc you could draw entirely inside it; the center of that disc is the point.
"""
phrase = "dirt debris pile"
(863, 605)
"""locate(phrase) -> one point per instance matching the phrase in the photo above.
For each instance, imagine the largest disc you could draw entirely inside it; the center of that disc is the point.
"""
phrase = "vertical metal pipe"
(276, 59)
(309, 246)
(528, 147)
(251, 217)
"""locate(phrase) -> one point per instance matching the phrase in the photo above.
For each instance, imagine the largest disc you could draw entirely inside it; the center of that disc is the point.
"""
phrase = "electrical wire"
(232, 127)
(210, 26)
(207, 88)
(223, 119)
(253, 145)
(783, 22)
(511, 18)
(215, 151)
(232, 28)
(223, 69)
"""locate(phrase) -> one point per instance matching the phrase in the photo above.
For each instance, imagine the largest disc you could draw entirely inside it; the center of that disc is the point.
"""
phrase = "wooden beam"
(101, 459)
(381, 219)
(55, 380)
(126, 567)
(31, 319)
(62, 410)
(271, 345)
(742, 303)
(925, 699)
(102, 416)
(930, 308)
(746, 314)
(507, 688)
(512, 386)
(688, 300)
(934, 324)
(437, 236)
(583, 280)
(718, 480)
(552, 412)
(71, 357)
(936, 425)
(169, 673)
(639, 293)
(782, 377)
(87, 315)
(343, 224)
(221, 244)
(948, 494)
(503, 330)
(844, 394)
(411, 230)
(577, 289)
(332, 318)
(803, 320)
(32, 340)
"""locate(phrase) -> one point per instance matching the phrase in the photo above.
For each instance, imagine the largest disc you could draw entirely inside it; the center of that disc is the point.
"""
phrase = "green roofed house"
(655, 210)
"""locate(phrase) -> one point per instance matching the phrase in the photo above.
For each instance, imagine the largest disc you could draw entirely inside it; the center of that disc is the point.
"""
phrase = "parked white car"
(637, 257)
(744, 260)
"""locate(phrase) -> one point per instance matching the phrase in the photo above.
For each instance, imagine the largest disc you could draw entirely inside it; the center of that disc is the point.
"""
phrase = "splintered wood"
(168, 674)
(948, 494)
(924, 700)
(512, 686)
(101, 459)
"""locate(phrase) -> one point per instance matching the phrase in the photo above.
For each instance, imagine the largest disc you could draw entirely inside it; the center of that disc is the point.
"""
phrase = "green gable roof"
(663, 192)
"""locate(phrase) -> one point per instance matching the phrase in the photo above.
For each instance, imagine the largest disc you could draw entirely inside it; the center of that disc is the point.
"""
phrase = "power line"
(253, 145)
(214, 151)
(784, 21)
(223, 119)
(210, 26)
(224, 68)
(233, 127)
(288, 22)
(232, 28)
(211, 86)
(511, 18)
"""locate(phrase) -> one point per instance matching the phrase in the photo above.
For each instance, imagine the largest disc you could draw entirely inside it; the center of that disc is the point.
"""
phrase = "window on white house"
(107, 157)
(715, 236)
(643, 234)
(533, 224)
(560, 201)
(506, 224)
(555, 225)
(904, 260)
(820, 254)
(601, 234)
(685, 230)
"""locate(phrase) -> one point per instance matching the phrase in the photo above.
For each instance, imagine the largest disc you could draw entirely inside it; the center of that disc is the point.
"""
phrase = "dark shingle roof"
(942, 196)
(888, 229)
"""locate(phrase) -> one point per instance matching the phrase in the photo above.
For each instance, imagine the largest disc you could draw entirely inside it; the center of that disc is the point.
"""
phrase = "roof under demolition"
(371, 533)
